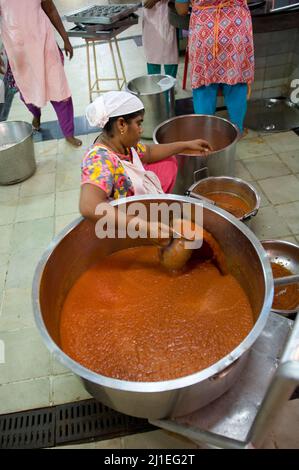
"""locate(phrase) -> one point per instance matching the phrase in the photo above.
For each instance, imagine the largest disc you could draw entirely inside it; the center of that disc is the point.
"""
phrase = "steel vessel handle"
(249, 215)
(200, 197)
(204, 171)
(283, 281)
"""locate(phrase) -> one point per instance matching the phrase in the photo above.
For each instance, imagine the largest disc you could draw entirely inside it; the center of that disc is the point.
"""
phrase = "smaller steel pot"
(226, 184)
(286, 254)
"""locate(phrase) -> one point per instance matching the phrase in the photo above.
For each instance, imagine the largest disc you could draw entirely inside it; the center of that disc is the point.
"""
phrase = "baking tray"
(101, 14)
(93, 28)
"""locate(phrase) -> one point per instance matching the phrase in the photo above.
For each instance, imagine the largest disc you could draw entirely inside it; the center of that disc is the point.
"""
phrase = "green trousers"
(170, 69)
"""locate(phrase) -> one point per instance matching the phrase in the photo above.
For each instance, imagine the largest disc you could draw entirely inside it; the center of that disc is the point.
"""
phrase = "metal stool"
(95, 86)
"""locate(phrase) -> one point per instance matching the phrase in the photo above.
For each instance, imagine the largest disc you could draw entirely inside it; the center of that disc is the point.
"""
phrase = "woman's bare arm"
(158, 152)
(50, 9)
(94, 205)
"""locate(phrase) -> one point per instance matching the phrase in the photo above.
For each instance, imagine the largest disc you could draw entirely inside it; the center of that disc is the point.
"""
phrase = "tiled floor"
(32, 212)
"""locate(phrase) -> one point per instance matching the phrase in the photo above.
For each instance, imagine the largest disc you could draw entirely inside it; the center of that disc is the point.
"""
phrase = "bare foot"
(245, 132)
(36, 123)
(73, 141)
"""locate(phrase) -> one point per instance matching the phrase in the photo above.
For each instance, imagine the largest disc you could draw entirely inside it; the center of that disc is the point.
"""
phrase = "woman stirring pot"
(117, 164)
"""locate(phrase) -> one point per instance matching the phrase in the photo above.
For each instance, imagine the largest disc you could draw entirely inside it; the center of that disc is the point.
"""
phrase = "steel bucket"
(76, 248)
(17, 159)
(226, 184)
(159, 102)
(220, 133)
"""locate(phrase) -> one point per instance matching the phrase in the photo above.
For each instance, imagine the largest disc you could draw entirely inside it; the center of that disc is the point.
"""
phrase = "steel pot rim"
(196, 115)
(21, 141)
(168, 385)
(153, 92)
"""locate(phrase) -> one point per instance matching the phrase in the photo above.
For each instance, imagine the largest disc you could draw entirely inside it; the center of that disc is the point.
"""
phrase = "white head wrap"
(112, 104)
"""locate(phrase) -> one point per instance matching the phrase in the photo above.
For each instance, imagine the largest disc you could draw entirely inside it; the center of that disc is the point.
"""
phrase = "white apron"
(143, 181)
(159, 36)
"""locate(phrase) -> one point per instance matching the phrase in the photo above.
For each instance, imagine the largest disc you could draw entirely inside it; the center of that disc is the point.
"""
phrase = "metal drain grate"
(90, 419)
(72, 422)
(28, 429)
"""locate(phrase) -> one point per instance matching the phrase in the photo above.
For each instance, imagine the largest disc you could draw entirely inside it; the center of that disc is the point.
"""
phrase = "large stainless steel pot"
(17, 159)
(158, 100)
(77, 248)
(220, 133)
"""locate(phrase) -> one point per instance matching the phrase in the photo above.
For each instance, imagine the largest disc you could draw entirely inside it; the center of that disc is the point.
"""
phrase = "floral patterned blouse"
(101, 167)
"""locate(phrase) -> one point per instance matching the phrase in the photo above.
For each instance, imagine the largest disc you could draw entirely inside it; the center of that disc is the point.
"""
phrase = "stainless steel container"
(220, 133)
(77, 248)
(17, 160)
(286, 254)
(158, 100)
(226, 184)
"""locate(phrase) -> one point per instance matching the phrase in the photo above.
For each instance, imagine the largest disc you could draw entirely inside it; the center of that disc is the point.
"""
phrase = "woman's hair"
(108, 128)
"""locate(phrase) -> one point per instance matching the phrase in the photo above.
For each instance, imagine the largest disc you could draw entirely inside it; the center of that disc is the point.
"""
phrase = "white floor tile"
(5, 238)
(32, 235)
(67, 202)
(26, 357)
(283, 141)
(37, 185)
(9, 193)
(268, 224)
(281, 189)
(22, 268)
(255, 147)
(266, 167)
(24, 395)
(35, 207)
(8, 212)
(67, 388)
(16, 310)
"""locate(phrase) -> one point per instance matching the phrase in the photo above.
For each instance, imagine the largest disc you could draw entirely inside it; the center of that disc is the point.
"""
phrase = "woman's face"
(132, 132)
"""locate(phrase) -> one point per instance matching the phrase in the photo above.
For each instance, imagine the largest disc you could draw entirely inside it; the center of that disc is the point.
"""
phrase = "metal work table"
(241, 417)
(102, 24)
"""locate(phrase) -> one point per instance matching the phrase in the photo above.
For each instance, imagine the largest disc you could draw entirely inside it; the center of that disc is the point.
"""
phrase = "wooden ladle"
(174, 256)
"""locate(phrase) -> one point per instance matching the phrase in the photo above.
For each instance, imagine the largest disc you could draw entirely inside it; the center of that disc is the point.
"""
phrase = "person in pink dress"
(221, 54)
(36, 61)
(159, 38)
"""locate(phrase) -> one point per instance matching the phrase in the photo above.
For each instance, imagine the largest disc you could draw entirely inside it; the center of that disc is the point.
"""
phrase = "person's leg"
(166, 170)
(36, 113)
(171, 69)
(235, 97)
(153, 69)
(205, 99)
(65, 114)
(9, 94)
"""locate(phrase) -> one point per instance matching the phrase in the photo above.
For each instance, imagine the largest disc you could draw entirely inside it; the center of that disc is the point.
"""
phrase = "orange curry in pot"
(285, 297)
(230, 202)
(128, 318)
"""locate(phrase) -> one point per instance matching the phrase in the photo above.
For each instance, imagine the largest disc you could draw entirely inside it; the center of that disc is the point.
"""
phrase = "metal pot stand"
(241, 418)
